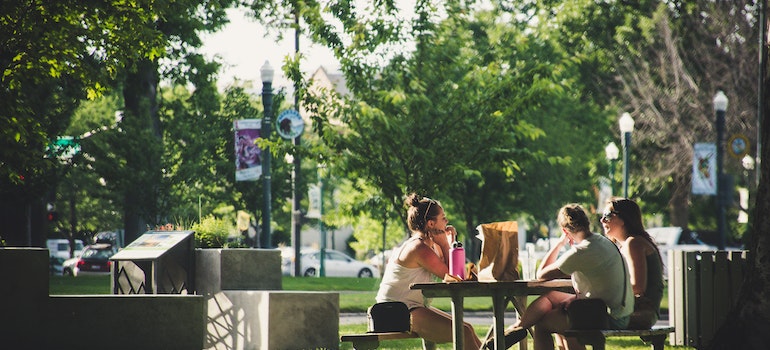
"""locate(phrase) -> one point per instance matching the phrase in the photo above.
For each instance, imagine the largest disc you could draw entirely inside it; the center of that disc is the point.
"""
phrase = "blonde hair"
(574, 218)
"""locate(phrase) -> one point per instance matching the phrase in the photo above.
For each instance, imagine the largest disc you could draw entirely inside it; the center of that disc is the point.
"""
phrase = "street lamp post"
(720, 106)
(612, 152)
(267, 101)
(322, 229)
(295, 239)
(626, 124)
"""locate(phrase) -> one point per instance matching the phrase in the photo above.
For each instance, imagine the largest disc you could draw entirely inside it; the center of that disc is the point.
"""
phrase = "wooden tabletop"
(508, 288)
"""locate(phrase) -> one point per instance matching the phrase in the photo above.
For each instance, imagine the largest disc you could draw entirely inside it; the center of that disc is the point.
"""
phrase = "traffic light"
(51, 214)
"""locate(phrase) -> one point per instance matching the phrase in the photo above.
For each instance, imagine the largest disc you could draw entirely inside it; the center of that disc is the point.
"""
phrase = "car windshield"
(93, 253)
(336, 256)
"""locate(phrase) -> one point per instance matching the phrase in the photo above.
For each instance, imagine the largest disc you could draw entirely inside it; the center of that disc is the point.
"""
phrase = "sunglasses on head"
(425, 217)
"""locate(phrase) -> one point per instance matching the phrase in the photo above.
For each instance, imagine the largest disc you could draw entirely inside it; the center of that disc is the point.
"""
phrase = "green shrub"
(212, 232)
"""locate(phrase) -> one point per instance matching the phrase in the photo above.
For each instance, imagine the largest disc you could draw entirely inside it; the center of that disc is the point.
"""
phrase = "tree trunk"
(747, 324)
(679, 202)
(144, 134)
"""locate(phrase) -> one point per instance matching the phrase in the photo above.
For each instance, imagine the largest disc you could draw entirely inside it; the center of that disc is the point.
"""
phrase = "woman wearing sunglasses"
(622, 223)
(422, 258)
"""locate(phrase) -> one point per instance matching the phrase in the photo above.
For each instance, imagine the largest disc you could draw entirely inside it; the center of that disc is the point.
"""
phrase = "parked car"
(377, 259)
(59, 251)
(95, 260)
(336, 264)
(675, 238)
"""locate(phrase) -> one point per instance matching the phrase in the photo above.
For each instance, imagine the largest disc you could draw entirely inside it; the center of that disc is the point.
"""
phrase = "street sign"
(290, 124)
(65, 147)
(738, 146)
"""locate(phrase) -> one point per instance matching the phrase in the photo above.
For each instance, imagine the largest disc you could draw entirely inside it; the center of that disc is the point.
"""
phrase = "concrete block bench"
(656, 336)
(241, 319)
(368, 341)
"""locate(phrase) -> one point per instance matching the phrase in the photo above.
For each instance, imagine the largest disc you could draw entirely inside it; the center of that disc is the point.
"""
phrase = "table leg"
(499, 303)
(520, 304)
(457, 321)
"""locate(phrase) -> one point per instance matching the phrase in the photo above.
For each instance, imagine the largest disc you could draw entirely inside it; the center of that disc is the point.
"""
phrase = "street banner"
(704, 169)
(248, 160)
(605, 191)
(314, 197)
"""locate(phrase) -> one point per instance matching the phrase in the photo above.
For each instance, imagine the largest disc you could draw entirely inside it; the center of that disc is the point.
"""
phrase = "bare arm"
(428, 259)
(547, 270)
(635, 252)
(417, 254)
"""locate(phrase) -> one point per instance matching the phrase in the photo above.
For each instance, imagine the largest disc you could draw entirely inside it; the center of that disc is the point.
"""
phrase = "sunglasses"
(607, 216)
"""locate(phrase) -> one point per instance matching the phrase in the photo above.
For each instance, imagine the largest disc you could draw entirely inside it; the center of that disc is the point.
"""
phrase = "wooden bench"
(369, 341)
(656, 336)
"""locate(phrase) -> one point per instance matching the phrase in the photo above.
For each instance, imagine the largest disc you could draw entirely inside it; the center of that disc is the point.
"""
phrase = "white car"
(336, 264)
(377, 260)
(674, 238)
(59, 251)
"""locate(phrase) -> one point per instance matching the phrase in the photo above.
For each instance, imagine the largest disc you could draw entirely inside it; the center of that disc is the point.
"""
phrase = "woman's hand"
(451, 234)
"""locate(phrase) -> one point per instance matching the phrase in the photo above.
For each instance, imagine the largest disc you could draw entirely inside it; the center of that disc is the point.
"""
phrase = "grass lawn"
(356, 295)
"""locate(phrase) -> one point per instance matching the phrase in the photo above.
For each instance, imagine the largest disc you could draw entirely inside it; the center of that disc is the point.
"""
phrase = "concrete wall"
(273, 320)
(224, 316)
(237, 269)
(138, 321)
(23, 296)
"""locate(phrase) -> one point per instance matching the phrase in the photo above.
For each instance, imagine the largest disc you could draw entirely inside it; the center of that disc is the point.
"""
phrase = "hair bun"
(413, 200)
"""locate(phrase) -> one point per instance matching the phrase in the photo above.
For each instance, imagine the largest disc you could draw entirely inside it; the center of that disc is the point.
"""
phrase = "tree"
(663, 61)
(178, 24)
(463, 118)
(746, 325)
(52, 55)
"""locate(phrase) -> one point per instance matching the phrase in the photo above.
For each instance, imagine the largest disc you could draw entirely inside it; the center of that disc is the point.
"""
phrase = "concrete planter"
(237, 269)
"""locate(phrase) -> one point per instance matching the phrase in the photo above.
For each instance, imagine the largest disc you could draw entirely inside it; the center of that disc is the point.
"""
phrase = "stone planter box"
(237, 269)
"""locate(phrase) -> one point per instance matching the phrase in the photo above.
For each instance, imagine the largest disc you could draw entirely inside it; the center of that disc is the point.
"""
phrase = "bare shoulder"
(413, 253)
(639, 244)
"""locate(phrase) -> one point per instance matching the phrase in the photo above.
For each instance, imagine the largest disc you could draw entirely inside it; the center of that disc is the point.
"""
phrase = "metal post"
(612, 175)
(626, 124)
(626, 157)
(720, 121)
(296, 196)
(761, 85)
(321, 227)
(720, 106)
(611, 150)
(267, 102)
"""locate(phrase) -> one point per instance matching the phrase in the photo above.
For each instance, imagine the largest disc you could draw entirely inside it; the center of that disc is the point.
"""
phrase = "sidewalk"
(474, 317)
(480, 318)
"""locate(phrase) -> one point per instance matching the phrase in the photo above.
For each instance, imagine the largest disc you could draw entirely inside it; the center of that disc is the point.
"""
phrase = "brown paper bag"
(499, 251)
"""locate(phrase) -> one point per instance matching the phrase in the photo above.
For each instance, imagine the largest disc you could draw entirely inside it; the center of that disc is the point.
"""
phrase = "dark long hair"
(631, 215)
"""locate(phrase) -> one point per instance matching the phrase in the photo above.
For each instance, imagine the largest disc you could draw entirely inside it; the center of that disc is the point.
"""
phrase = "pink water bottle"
(457, 260)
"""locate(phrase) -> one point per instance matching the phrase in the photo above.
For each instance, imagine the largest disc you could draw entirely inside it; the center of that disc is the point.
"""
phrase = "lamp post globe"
(626, 124)
(720, 107)
(266, 73)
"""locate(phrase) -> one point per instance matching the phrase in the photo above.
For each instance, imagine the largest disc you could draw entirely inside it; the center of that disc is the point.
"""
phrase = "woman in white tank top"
(424, 257)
